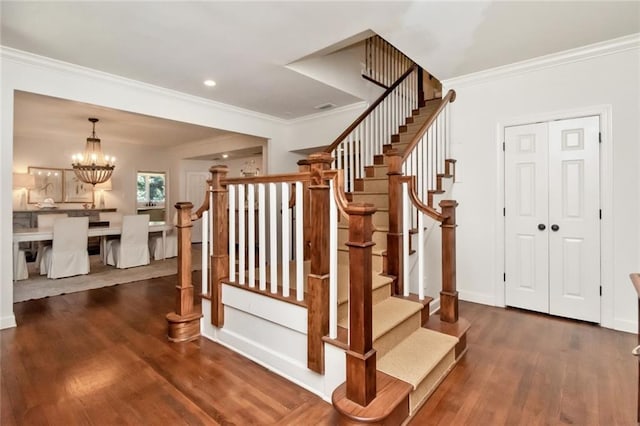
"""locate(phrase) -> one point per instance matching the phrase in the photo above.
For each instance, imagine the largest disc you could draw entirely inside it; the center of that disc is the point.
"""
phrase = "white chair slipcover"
(20, 271)
(114, 218)
(68, 255)
(170, 248)
(46, 221)
(132, 248)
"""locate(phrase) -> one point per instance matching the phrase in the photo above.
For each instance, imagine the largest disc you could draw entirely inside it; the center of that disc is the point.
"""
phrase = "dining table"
(46, 234)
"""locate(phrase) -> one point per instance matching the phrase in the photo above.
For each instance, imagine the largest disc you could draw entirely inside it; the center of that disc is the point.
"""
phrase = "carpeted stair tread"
(417, 355)
(388, 314)
(377, 281)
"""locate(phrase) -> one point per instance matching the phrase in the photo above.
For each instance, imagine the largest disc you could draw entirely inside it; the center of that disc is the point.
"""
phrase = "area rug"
(39, 286)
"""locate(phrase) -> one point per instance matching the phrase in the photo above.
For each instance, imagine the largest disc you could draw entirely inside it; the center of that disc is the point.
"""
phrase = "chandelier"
(93, 166)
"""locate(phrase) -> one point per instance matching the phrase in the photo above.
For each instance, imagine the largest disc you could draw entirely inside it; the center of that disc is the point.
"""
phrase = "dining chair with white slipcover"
(68, 255)
(170, 248)
(114, 219)
(132, 248)
(20, 270)
(46, 221)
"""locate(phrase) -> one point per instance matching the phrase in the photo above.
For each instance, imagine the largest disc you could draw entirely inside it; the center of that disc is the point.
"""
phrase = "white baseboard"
(434, 306)
(471, 296)
(8, 322)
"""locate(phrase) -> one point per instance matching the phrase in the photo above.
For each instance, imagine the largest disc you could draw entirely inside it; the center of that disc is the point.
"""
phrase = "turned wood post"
(361, 357)
(449, 293)
(304, 166)
(394, 236)
(184, 323)
(220, 251)
(318, 280)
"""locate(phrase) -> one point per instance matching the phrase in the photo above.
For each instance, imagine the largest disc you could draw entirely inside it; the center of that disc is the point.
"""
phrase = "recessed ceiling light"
(225, 155)
(209, 83)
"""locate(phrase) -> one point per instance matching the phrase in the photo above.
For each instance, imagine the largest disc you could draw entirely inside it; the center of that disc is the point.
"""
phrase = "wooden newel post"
(361, 357)
(394, 236)
(220, 251)
(304, 166)
(449, 293)
(184, 323)
(318, 279)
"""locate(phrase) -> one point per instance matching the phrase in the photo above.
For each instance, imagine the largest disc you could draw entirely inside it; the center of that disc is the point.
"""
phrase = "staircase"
(406, 348)
(350, 289)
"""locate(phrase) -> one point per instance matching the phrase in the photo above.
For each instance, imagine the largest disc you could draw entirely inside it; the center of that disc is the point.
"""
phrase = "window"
(151, 189)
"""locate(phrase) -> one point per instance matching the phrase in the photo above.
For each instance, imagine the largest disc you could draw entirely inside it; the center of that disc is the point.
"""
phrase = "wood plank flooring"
(100, 357)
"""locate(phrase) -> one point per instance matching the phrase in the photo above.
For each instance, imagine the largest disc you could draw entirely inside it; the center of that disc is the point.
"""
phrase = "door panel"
(574, 202)
(526, 206)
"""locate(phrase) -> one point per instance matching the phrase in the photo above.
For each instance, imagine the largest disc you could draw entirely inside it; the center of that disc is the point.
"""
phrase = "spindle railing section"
(357, 146)
(415, 176)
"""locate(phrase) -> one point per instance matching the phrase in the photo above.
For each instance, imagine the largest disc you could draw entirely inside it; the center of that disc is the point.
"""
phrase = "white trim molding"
(608, 47)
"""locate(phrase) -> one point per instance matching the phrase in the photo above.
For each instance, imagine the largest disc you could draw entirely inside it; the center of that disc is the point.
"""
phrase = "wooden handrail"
(278, 178)
(337, 175)
(205, 205)
(413, 195)
(450, 97)
(373, 106)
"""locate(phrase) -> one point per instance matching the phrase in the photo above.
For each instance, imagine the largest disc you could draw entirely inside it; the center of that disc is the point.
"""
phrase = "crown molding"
(590, 51)
(31, 59)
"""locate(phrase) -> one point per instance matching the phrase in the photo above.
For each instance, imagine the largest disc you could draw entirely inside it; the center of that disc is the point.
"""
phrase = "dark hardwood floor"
(101, 357)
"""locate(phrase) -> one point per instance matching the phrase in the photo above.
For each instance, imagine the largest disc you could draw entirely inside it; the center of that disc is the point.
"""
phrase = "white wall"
(315, 132)
(31, 73)
(56, 151)
(603, 77)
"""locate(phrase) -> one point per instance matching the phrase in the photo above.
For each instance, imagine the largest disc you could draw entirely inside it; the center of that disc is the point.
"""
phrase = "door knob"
(541, 227)
(554, 227)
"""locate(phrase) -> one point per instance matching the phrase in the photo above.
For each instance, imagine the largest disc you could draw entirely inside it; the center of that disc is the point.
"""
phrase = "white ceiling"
(246, 47)
(39, 117)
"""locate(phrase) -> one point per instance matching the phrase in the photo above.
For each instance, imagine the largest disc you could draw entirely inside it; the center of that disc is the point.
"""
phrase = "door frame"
(604, 112)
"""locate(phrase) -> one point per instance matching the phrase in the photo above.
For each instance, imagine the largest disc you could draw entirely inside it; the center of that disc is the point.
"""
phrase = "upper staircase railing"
(415, 176)
(357, 146)
(384, 64)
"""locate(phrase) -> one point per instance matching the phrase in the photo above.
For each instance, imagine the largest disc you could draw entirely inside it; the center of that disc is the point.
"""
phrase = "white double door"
(552, 218)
